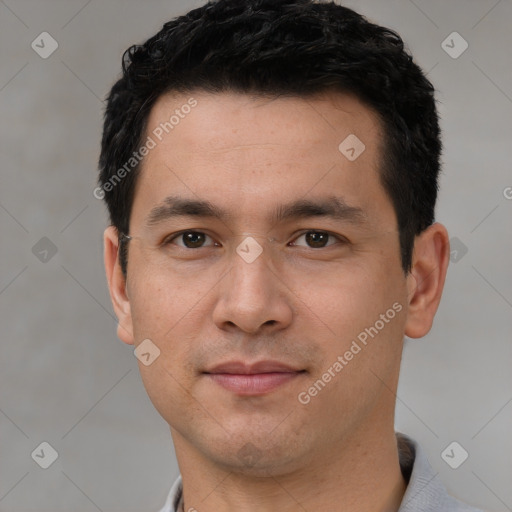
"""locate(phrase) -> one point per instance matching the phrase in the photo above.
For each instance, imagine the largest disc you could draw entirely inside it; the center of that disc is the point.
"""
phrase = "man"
(270, 170)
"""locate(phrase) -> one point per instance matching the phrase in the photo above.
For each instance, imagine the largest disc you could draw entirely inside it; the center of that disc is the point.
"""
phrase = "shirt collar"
(425, 492)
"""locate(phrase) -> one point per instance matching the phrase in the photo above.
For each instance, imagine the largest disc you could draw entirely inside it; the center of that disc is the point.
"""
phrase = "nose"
(253, 298)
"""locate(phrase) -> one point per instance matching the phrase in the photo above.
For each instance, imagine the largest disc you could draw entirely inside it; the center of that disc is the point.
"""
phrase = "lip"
(252, 379)
(241, 368)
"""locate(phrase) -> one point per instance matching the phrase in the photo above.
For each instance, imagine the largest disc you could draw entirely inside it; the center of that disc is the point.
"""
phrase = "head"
(311, 130)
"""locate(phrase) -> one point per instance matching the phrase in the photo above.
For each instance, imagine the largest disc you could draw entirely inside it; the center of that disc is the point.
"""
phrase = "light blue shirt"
(424, 493)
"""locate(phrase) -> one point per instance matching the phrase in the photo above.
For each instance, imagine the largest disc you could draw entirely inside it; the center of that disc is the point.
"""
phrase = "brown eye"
(315, 239)
(191, 240)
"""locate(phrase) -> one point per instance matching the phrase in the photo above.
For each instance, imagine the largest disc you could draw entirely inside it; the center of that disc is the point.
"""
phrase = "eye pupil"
(316, 239)
(193, 240)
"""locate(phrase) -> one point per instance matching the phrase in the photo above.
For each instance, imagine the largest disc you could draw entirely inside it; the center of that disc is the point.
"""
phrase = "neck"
(361, 473)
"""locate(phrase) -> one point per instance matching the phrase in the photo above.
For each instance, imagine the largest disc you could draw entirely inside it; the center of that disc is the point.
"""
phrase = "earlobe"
(426, 279)
(117, 286)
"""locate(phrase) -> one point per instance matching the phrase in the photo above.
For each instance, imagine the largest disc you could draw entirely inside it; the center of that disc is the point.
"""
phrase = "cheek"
(346, 297)
(362, 313)
(160, 301)
(168, 311)
(173, 312)
(167, 390)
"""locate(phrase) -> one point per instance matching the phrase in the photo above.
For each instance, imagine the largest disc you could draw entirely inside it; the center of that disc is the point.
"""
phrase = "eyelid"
(173, 236)
(340, 238)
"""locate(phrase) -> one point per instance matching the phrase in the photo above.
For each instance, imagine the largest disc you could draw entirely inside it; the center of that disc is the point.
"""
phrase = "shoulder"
(425, 491)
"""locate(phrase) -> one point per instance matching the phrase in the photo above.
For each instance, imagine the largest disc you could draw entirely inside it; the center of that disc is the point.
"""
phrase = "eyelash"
(171, 238)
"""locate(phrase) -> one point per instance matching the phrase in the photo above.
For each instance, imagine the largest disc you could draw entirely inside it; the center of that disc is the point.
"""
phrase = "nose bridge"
(250, 275)
(252, 296)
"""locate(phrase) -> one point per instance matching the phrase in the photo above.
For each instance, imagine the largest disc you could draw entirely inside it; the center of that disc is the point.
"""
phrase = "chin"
(263, 455)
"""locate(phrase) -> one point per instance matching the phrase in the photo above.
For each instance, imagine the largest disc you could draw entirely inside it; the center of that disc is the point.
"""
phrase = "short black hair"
(272, 48)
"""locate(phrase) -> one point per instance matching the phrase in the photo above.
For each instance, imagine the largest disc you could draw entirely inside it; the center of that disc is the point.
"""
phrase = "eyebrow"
(331, 207)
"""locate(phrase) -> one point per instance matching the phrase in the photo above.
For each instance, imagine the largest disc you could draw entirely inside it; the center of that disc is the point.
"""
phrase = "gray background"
(67, 380)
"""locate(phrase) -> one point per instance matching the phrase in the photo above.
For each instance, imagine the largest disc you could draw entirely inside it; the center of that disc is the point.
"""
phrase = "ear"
(425, 281)
(117, 286)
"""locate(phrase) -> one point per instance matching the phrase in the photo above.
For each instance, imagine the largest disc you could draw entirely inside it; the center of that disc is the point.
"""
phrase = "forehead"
(253, 153)
(218, 120)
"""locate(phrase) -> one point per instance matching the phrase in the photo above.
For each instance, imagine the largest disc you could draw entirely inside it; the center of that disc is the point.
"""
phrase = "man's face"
(324, 276)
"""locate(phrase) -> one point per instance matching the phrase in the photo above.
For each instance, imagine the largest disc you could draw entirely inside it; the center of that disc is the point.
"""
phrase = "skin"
(296, 304)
